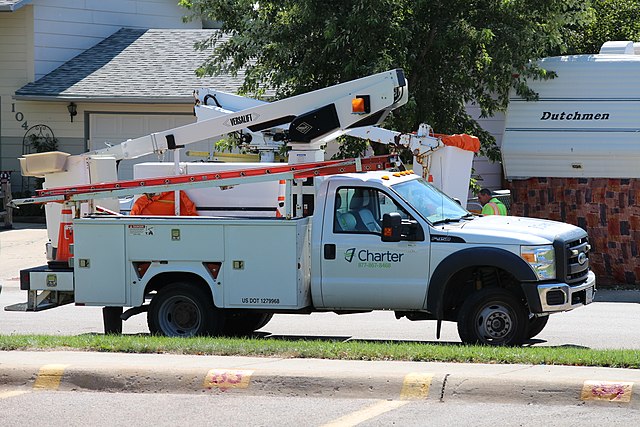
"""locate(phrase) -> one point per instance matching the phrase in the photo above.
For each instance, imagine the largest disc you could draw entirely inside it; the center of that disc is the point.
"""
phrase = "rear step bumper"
(47, 287)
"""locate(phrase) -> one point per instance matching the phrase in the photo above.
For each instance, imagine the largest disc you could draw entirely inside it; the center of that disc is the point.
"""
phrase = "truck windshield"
(431, 203)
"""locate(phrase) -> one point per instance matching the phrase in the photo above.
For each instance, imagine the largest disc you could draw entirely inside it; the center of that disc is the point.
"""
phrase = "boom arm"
(314, 117)
(213, 103)
(421, 144)
(446, 161)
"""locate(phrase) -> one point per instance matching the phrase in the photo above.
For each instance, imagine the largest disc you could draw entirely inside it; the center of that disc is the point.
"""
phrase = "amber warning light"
(361, 104)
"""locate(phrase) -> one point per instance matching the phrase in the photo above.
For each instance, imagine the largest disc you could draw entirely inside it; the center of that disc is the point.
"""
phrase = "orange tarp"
(464, 141)
(163, 204)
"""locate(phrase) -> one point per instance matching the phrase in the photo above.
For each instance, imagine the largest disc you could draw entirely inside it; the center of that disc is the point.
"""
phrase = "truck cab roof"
(381, 178)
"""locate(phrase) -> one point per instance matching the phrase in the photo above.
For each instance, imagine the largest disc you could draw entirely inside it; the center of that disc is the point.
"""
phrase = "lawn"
(325, 349)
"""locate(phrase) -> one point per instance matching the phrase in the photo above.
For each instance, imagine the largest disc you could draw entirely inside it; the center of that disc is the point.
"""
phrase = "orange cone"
(281, 191)
(65, 236)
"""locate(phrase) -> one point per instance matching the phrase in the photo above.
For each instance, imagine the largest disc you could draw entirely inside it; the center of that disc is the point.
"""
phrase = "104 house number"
(19, 117)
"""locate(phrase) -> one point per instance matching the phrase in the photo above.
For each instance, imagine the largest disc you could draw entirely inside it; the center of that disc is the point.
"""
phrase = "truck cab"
(359, 269)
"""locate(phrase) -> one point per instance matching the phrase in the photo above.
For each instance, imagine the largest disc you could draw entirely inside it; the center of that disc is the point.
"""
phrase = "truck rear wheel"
(492, 316)
(238, 323)
(184, 310)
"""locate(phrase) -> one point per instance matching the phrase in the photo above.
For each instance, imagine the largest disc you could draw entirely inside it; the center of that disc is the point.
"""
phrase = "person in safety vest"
(491, 205)
(163, 204)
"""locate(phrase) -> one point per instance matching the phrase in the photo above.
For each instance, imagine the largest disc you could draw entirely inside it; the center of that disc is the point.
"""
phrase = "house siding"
(16, 69)
(66, 28)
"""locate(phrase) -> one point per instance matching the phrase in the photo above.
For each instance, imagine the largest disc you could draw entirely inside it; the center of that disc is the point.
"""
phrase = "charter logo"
(349, 253)
(365, 255)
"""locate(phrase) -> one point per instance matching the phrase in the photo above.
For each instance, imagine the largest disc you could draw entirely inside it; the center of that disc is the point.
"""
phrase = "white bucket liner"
(451, 171)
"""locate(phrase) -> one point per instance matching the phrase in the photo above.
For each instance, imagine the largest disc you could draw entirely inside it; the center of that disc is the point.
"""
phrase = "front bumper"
(554, 297)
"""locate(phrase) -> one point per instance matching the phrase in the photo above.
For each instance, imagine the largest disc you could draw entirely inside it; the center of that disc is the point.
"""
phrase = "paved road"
(65, 409)
(611, 322)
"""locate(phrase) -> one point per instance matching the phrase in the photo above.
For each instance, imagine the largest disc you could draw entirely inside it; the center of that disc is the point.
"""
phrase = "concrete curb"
(156, 380)
(109, 372)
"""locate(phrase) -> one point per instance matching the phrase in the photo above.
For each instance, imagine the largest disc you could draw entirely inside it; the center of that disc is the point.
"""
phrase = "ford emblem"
(582, 258)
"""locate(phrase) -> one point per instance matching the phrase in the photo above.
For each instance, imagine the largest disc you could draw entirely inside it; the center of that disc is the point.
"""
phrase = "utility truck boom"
(313, 118)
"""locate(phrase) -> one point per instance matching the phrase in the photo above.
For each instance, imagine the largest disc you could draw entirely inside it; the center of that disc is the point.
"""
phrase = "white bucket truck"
(376, 240)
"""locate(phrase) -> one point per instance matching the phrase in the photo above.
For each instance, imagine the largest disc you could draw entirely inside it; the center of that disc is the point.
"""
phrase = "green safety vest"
(494, 207)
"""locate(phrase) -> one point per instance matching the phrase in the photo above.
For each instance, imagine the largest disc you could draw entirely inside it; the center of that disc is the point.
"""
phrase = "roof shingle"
(133, 65)
(11, 5)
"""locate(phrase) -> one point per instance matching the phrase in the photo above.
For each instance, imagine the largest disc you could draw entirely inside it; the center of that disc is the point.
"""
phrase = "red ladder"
(296, 171)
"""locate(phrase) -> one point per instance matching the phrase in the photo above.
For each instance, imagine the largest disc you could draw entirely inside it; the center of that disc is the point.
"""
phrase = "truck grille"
(573, 258)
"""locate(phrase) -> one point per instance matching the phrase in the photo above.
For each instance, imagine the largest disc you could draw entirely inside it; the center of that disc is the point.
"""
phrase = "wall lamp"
(73, 110)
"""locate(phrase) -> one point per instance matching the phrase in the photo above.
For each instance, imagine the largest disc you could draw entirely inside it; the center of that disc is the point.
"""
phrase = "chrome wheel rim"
(179, 316)
(495, 322)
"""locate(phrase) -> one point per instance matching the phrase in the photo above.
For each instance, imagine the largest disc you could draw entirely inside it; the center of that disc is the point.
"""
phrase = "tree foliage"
(453, 52)
(611, 20)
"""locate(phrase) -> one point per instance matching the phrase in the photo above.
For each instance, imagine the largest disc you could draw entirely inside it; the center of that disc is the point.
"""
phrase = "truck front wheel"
(184, 310)
(492, 316)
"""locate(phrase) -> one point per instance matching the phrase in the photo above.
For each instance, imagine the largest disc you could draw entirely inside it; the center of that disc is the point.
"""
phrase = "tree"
(453, 52)
(612, 20)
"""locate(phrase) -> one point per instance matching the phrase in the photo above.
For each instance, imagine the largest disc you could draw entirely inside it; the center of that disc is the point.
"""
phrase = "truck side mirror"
(391, 223)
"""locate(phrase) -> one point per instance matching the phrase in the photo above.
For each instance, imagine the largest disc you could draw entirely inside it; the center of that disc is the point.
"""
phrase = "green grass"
(326, 349)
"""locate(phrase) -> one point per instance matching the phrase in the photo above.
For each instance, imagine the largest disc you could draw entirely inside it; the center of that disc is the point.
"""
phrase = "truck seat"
(345, 221)
(359, 208)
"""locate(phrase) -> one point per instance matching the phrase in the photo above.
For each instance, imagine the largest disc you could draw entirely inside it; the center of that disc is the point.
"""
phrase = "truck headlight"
(542, 260)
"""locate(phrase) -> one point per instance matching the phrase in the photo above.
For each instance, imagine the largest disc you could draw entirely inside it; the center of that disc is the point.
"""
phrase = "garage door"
(115, 128)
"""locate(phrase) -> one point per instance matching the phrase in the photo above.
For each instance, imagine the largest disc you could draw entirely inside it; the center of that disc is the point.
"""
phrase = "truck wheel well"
(468, 280)
(163, 279)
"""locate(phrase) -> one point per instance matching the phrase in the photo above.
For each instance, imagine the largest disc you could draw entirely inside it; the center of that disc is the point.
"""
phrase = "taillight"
(25, 280)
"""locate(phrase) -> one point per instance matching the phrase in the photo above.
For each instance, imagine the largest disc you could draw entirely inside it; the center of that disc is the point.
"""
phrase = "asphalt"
(166, 373)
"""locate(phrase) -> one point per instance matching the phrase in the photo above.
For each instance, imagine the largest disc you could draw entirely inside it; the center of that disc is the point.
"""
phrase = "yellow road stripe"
(609, 391)
(416, 386)
(49, 377)
(367, 413)
(13, 393)
(225, 379)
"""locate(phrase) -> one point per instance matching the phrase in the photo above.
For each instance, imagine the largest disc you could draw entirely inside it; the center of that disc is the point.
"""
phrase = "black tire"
(242, 323)
(536, 325)
(493, 316)
(184, 310)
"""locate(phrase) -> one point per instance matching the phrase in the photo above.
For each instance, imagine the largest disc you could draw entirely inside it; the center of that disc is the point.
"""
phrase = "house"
(89, 72)
(86, 72)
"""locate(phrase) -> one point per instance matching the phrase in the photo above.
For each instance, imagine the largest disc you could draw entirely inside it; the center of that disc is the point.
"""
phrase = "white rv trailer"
(586, 123)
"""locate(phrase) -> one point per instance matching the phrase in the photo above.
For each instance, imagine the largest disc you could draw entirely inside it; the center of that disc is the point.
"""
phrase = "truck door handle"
(329, 251)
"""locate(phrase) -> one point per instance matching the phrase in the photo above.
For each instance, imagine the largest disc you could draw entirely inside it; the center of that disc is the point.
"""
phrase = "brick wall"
(606, 208)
